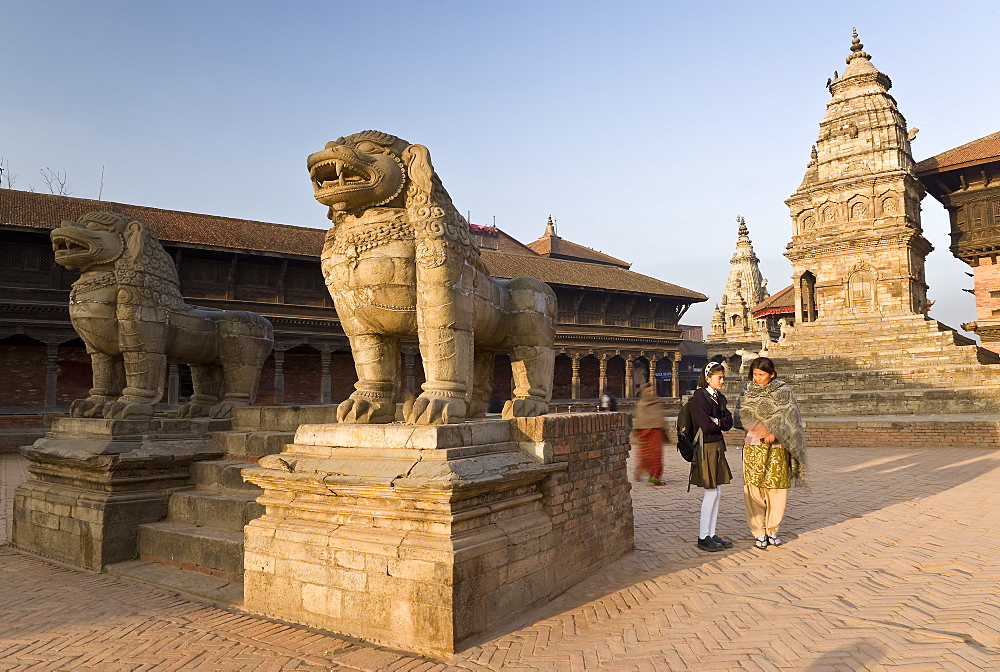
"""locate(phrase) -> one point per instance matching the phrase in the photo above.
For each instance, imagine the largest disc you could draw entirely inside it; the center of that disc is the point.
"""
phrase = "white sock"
(715, 512)
(709, 512)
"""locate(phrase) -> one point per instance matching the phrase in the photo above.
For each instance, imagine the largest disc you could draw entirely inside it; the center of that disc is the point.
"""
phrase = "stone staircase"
(898, 365)
(197, 549)
(203, 530)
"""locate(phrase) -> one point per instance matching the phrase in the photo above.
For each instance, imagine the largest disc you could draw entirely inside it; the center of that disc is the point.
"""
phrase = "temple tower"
(862, 343)
(857, 245)
(745, 288)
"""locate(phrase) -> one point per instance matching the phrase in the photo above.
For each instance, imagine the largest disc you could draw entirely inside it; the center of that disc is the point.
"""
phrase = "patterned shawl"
(648, 412)
(774, 405)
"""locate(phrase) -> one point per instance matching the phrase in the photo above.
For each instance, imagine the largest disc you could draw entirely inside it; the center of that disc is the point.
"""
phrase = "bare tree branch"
(7, 178)
(55, 182)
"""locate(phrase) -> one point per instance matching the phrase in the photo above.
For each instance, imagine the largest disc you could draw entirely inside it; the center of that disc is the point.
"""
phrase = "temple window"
(977, 216)
(861, 291)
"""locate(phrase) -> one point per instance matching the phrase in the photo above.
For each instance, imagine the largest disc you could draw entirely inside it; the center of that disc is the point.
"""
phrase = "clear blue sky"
(644, 128)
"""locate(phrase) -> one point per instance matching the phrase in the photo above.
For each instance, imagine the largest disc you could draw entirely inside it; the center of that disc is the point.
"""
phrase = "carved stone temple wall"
(862, 344)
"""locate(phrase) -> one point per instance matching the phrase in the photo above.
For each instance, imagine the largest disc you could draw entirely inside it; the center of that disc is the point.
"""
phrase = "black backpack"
(686, 442)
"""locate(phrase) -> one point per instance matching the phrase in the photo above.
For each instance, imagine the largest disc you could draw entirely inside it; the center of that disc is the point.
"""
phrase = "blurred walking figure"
(709, 468)
(609, 402)
(649, 428)
(773, 451)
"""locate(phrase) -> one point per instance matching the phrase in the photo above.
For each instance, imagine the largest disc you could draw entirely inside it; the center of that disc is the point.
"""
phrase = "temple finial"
(855, 42)
(744, 231)
(856, 47)
(550, 227)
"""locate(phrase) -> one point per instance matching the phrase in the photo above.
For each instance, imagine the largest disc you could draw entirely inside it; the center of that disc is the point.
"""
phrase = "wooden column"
(602, 381)
(51, 373)
(629, 382)
(575, 380)
(409, 380)
(324, 373)
(652, 372)
(675, 378)
(279, 377)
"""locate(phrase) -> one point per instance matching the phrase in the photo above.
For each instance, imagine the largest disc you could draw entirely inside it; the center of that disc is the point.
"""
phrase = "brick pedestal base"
(422, 538)
(92, 482)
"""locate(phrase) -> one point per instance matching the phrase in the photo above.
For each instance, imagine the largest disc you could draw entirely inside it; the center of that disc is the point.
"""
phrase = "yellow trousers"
(765, 509)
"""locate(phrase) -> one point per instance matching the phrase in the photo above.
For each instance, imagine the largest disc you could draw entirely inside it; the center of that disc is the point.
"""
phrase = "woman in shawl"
(649, 427)
(709, 468)
(774, 450)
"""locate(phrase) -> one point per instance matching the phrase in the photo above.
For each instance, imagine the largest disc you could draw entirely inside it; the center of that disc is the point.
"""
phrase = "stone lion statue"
(399, 262)
(127, 308)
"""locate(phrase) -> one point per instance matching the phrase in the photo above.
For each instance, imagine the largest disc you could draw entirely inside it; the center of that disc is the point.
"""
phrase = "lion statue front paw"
(88, 408)
(224, 409)
(127, 410)
(431, 409)
(194, 409)
(361, 411)
(524, 408)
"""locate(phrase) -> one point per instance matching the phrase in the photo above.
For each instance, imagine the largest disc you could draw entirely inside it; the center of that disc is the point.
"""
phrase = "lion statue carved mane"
(400, 263)
(128, 310)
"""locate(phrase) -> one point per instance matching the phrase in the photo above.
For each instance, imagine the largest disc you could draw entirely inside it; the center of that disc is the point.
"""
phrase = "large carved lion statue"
(127, 308)
(400, 262)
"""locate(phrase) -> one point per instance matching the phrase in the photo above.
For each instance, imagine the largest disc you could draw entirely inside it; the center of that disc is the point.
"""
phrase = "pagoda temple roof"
(973, 153)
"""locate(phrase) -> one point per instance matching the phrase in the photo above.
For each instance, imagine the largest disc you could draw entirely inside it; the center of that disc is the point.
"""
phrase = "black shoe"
(710, 544)
(719, 540)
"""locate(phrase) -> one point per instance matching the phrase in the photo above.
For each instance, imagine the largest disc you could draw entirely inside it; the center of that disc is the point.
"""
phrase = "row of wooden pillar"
(602, 359)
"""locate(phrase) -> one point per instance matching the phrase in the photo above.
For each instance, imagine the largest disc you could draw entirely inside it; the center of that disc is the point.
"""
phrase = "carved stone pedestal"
(92, 482)
(425, 537)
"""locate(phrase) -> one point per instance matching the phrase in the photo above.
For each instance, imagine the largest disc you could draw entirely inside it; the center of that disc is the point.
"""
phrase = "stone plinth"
(425, 537)
(93, 481)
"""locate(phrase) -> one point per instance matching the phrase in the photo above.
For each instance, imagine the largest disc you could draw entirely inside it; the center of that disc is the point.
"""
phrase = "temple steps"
(215, 551)
(904, 401)
(197, 550)
(204, 525)
(925, 377)
(887, 365)
(214, 590)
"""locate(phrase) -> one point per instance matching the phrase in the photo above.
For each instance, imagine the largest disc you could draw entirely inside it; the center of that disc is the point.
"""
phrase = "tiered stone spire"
(857, 244)
(745, 288)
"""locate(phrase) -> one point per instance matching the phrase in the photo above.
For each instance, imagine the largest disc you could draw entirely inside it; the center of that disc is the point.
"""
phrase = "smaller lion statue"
(128, 310)
(400, 263)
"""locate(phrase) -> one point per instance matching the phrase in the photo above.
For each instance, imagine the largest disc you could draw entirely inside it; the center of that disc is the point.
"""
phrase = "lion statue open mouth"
(400, 263)
(127, 308)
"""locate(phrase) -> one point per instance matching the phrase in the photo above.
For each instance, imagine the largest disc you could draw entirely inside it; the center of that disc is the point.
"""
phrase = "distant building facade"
(745, 288)
(615, 326)
(734, 327)
(966, 180)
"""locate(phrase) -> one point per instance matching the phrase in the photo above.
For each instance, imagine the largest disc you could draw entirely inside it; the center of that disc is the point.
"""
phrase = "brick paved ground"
(891, 564)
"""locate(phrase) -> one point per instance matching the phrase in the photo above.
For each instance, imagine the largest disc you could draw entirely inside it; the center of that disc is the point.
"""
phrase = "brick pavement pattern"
(890, 564)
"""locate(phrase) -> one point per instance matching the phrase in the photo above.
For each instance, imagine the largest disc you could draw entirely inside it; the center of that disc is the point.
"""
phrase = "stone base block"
(423, 538)
(92, 482)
